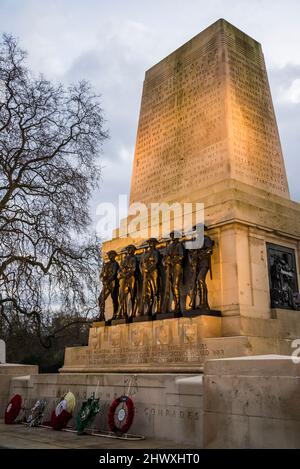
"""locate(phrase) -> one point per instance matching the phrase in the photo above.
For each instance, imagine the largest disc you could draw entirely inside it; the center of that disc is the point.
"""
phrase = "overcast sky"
(112, 42)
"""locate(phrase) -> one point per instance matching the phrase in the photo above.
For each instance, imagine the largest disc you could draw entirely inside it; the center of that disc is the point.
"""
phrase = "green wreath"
(87, 413)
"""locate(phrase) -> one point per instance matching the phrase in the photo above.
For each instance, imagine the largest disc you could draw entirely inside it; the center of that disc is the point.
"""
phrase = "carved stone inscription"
(160, 343)
(206, 115)
(257, 157)
(182, 124)
(169, 355)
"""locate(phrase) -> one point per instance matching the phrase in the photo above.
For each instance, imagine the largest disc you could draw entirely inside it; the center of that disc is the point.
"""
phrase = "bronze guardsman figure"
(110, 284)
(173, 267)
(127, 283)
(200, 262)
(149, 266)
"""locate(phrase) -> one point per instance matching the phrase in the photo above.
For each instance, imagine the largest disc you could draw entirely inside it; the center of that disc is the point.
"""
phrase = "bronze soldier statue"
(127, 281)
(173, 267)
(194, 266)
(108, 277)
(149, 267)
(200, 262)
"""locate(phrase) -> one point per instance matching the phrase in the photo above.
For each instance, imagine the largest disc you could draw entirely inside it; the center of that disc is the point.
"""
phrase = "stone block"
(252, 402)
(176, 344)
(7, 372)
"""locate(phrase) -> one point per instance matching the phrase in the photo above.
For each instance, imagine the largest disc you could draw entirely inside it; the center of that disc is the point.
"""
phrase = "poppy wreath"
(13, 409)
(120, 420)
(59, 422)
(34, 419)
(63, 412)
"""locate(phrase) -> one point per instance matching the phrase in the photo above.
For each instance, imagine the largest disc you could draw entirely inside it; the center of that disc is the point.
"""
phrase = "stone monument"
(207, 133)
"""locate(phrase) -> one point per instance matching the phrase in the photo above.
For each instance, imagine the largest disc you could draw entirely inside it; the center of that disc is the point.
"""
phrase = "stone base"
(201, 312)
(143, 318)
(181, 345)
(170, 315)
(169, 345)
(8, 371)
(167, 407)
(114, 322)
(177, 345)
(252, 402)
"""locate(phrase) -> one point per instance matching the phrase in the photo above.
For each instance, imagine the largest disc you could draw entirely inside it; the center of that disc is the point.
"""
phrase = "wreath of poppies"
(121, 414)
(59, 422)
(63, 412)
(35, 417)
(13, 409)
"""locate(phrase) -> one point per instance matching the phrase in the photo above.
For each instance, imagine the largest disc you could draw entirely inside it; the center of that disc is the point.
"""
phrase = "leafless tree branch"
(50, 141)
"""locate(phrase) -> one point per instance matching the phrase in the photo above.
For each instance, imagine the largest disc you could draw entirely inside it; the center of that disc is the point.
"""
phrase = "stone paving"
(22, 437)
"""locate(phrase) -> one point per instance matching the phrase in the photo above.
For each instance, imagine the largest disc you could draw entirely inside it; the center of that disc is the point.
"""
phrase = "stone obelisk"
(206, 116)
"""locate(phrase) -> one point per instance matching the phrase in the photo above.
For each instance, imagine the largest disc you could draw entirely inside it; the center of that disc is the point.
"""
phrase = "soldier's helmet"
(152, 241)
(112, 254)
(130, 248)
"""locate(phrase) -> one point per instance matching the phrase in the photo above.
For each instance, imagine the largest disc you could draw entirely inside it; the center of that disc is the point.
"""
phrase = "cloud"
(292, 93)
(285, 87)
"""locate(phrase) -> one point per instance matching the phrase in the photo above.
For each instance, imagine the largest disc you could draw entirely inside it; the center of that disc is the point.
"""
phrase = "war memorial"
(207, 330)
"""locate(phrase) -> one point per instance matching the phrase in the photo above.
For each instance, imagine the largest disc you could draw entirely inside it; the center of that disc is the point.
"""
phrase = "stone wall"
(252, 402)
(167, 407)
(7, 372)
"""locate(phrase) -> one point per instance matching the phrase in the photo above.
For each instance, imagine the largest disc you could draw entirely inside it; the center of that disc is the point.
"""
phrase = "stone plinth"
(7, 372)
(252, 402)
(177, 344)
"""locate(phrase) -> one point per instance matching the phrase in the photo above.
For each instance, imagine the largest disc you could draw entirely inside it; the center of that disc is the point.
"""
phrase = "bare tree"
(50, 139)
